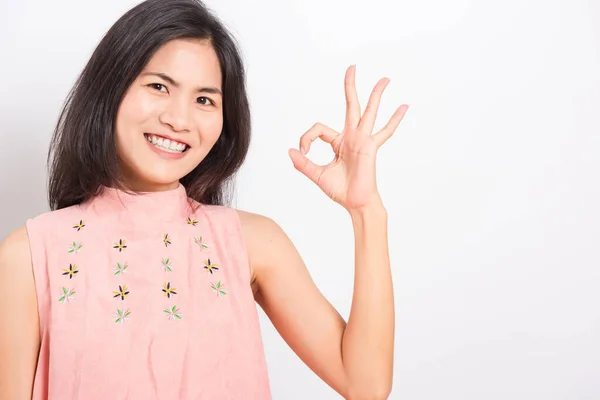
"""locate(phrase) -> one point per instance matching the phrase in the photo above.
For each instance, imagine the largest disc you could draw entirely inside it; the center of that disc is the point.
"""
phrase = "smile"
(168, 145)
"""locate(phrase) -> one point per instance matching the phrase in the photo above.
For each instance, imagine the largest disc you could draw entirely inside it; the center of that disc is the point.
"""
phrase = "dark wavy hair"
(82, 156)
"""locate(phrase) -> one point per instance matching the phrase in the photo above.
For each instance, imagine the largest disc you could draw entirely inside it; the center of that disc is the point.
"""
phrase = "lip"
(165, 136)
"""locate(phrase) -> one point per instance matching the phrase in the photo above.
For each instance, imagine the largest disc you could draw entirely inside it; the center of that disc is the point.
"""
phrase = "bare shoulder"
(265, 241)
(259, 230)
(16, 272)
(256, 221)
(15, 248)
(19, 339)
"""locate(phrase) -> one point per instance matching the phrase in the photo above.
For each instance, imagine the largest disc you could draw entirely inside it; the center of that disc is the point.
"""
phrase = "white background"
(491, 182)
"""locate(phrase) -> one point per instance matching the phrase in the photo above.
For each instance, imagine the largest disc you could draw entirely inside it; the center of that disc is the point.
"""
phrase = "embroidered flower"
(168, 289)
(209, 266)
(166, 264)
(191, 221)
(172, 312)
(122, 315)
(199, 242)
(121, 269)
(166, 240)
(79, 226)
(66, 295)
(122, 292)
(219, 288)
(120, 245)
(75, 247)
(71, 271)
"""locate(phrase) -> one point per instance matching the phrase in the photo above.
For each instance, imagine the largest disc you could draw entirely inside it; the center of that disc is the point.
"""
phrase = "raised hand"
(350, 178)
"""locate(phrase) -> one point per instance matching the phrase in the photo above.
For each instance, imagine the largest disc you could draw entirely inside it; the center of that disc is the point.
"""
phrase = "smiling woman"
(165, 70)
(141, 282)
(166, 124)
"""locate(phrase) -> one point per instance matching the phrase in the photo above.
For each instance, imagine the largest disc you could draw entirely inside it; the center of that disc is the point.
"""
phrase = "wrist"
(372, 209)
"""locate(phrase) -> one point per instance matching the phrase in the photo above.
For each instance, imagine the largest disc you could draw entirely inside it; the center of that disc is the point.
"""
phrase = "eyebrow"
(172, 81)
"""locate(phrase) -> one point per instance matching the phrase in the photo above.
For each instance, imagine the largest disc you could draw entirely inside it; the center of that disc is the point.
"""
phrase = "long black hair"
(83, 157)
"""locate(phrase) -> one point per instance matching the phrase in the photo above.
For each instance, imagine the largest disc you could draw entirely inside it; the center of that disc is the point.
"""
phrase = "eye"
(205, 98)
(157, 86)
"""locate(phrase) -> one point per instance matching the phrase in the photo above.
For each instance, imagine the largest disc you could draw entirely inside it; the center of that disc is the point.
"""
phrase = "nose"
(176, 115)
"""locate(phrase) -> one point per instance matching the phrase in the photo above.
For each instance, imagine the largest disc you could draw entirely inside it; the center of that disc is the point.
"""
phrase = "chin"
(149, 170)
(143, 180)
(163, 179)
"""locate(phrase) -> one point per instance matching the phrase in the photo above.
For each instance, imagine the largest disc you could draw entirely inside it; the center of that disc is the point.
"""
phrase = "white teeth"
(167, 145)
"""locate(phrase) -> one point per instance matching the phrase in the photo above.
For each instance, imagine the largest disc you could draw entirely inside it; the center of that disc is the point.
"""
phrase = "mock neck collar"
(143, 207)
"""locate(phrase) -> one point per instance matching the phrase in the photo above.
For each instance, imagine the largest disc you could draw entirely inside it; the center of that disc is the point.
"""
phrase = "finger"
(311, 170)
(388, 130)
(318, 130)
(352, 104)
(368, 119)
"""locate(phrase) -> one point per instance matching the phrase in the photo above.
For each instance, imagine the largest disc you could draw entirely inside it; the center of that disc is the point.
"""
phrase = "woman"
(141, 282)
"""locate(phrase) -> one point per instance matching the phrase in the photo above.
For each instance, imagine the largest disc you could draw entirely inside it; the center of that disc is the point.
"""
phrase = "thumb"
(311, 170)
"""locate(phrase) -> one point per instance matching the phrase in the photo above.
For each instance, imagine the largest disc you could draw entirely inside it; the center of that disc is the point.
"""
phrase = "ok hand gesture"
(350, 178)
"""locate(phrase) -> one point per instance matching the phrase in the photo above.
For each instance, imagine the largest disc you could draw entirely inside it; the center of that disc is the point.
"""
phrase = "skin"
(180, 110)
(355, 357)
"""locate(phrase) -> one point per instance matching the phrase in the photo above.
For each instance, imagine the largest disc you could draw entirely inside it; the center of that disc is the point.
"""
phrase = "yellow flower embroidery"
(79, 226)
(210, 266)
(120, 245)
(122, 292)
(191, 221)
(166, 240)
(168, 290)
(71, 271)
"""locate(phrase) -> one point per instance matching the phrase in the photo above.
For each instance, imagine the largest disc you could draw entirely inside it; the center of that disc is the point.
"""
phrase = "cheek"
(134, 110)
(211, 128)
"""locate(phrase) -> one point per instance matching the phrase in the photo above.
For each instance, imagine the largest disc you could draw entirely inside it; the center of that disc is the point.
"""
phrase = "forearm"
(368, 341)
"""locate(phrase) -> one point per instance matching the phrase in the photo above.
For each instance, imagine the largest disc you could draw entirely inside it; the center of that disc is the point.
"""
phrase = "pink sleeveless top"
(141, 297)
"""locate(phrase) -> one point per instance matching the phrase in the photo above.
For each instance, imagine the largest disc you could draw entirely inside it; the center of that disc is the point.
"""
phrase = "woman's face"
(171, 116)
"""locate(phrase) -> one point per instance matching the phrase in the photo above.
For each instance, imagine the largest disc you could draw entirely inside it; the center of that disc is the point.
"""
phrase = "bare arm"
(354, 359)
(304, 318)
(368, 342)
(19, 326)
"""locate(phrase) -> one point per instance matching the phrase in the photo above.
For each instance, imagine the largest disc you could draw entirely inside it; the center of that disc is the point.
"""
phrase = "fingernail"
(303, 150)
